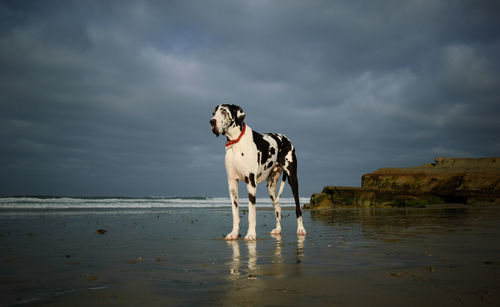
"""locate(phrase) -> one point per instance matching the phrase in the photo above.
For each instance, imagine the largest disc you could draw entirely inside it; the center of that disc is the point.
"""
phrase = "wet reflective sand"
(392, 257)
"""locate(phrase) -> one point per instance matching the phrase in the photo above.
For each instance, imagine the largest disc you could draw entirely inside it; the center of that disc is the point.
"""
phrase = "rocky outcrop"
(446, 180)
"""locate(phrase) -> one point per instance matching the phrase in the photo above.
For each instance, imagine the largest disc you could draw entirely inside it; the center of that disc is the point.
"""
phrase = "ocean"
(118, 203)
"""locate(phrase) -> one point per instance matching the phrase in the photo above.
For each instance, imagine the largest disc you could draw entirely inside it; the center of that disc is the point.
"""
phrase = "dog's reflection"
(300, 248)
(250, 267)
(252, 255)
(235, 263)
(278, 257)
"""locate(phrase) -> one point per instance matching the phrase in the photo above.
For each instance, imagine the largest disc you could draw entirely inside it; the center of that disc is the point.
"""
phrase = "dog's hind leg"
(291, 170)
(282, 186)
(272, 182)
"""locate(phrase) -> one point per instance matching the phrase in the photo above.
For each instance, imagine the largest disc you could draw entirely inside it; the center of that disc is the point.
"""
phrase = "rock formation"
(446, 180)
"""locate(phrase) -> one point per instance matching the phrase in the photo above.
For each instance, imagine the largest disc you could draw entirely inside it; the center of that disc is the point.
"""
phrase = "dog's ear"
(238, 113)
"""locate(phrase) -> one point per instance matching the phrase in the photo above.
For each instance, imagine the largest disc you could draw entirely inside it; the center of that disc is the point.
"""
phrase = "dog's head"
(226, 116)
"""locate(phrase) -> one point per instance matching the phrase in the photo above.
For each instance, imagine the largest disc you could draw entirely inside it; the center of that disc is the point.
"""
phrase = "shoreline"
(427, 206)
(179, 257)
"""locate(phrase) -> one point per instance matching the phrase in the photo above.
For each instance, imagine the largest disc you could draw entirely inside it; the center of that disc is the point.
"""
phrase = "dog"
(253, 157)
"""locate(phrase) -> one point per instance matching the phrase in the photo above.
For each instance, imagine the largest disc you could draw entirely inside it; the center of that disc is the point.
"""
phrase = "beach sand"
(178, 257)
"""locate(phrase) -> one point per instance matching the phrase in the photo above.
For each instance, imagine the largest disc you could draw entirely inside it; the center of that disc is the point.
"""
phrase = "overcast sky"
(114, 97)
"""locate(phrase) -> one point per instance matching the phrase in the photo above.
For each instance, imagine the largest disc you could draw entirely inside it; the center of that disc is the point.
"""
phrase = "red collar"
(229, 142)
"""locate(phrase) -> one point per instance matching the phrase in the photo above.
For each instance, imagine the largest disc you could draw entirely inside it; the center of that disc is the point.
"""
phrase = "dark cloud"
(114, 97)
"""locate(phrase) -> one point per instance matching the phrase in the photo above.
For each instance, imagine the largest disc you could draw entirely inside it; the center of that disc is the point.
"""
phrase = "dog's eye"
(223, 111)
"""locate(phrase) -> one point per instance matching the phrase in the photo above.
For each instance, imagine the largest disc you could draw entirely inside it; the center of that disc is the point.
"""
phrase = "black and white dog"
(253, 158)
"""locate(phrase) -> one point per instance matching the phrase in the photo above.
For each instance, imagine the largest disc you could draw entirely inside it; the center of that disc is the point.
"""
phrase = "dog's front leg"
(233, 193)
(252, 192)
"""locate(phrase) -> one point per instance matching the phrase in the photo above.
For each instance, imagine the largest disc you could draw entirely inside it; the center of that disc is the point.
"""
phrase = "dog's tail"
(291, 172)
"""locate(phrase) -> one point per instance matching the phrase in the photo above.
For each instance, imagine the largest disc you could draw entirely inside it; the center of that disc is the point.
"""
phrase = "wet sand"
(177, 257)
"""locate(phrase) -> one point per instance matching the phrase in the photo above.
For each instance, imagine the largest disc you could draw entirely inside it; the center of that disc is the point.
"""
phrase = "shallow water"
(177, 256)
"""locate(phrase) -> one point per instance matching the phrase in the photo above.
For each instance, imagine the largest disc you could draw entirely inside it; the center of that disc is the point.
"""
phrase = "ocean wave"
(54, 202)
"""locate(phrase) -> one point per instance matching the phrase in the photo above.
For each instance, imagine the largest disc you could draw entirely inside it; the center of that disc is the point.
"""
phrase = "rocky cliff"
(446, 180)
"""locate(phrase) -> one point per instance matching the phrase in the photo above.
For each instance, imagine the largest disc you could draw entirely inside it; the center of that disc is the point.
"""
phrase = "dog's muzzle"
(213, 124)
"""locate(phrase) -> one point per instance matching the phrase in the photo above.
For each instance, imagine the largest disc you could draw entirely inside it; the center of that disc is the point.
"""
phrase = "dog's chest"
(245, 159)
(242, 158)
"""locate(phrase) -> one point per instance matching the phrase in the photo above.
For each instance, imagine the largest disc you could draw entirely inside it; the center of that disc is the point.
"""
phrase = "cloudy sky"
(114, 97)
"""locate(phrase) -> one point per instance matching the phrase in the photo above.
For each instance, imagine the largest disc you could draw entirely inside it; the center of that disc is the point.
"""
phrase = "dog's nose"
(213, 122)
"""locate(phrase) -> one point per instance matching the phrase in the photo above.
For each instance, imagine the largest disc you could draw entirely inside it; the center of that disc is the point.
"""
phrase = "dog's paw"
(251, 236)
(232, 236)
(301, 231)
(276, 231)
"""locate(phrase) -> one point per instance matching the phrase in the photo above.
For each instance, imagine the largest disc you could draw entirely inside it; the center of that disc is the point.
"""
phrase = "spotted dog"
(253, 157)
